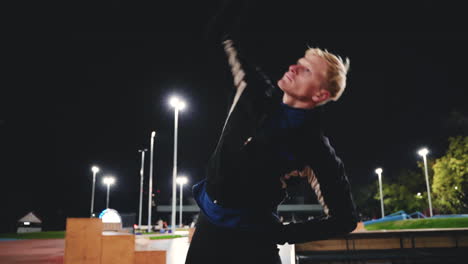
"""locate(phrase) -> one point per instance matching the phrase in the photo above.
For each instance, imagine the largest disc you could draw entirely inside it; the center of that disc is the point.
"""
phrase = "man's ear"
(321, 96)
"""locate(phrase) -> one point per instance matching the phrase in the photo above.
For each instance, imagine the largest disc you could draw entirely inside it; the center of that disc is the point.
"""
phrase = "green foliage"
(35, 235)
(451, 177)
(402, 194)
(367, 206)
(448, 177)
(456, 222)
(165, 237)
(430, 172)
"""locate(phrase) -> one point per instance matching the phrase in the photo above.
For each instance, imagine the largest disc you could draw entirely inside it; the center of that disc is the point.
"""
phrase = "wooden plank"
(150, 257)
(322, 245)
(462, 241)
(118, 249)
(83, 241)
(434, 241)
(191, 232)
(376, 243)
(390, 239)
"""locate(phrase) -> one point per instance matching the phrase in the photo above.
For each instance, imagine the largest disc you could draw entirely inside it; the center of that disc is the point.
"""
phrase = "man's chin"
(280, 84)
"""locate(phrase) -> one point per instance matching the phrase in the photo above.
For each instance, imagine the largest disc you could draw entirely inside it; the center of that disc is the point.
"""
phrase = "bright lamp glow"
(110, 216)
(174, 101)
(95, 169)
(181, 180)
(378, 171)
(423, 152)
(419, 194)
(109, 180)
(153, 134)
(27, 223)
(177, 103)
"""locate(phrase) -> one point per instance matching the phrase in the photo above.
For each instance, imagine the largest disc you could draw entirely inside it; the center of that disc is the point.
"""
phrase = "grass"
(456, 222)
(38, 235)
(165, 237)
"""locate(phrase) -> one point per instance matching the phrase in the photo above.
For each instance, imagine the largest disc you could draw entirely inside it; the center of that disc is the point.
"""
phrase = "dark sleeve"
(225, 31)
(328, 179)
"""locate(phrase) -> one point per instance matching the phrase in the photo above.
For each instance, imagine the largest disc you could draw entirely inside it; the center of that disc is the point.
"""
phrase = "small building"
(29, 223)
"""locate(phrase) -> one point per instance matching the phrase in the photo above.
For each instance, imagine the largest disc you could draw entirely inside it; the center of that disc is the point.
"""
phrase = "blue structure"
(400, 215)
(452, 215)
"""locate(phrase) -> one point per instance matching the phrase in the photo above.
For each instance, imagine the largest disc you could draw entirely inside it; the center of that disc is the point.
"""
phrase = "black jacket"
(242, 174)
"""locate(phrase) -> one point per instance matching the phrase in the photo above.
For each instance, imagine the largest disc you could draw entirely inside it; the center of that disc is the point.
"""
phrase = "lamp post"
(379, 172)
(181, 181)
(150, 192)
(95, 170)
(108, 181)
(423, 152)
(177, 104)
(141, 184)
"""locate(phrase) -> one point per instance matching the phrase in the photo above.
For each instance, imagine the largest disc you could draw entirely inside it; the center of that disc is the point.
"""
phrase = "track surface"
(32, 251)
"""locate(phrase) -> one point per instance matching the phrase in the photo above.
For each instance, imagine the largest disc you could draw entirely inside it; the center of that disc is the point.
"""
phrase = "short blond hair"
(336, 74)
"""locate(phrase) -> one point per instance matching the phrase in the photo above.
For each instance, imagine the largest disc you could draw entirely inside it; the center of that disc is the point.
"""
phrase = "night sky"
(85, 84)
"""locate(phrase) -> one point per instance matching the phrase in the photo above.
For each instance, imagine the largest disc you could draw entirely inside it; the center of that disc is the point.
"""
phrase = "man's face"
(305, 80)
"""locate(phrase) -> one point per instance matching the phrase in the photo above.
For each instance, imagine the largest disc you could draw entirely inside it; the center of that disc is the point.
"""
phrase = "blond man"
(272, 133)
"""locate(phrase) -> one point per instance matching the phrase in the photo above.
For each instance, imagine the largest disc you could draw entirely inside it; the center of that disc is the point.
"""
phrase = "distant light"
(110, 216)
(378, 171)
(423, 152)
(108, 180)
(456, 187)
(27, 223)
(181, 180)
(177, 103)
(419, 194)
(95, 169)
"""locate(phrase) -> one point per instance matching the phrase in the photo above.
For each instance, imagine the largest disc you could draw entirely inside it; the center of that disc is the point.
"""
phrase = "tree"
(367, 207)
(406, 193)
(451, 177)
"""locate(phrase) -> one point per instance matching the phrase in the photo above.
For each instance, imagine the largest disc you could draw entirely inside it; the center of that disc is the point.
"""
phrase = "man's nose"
(293, 68)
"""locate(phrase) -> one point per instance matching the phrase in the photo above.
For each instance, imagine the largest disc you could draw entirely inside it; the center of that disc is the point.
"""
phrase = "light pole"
(177, 104)
(423, 152)
(181, 181)
(150, 192)
(379, 172)
(95, 170)
(108, 181)
(141, 184)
